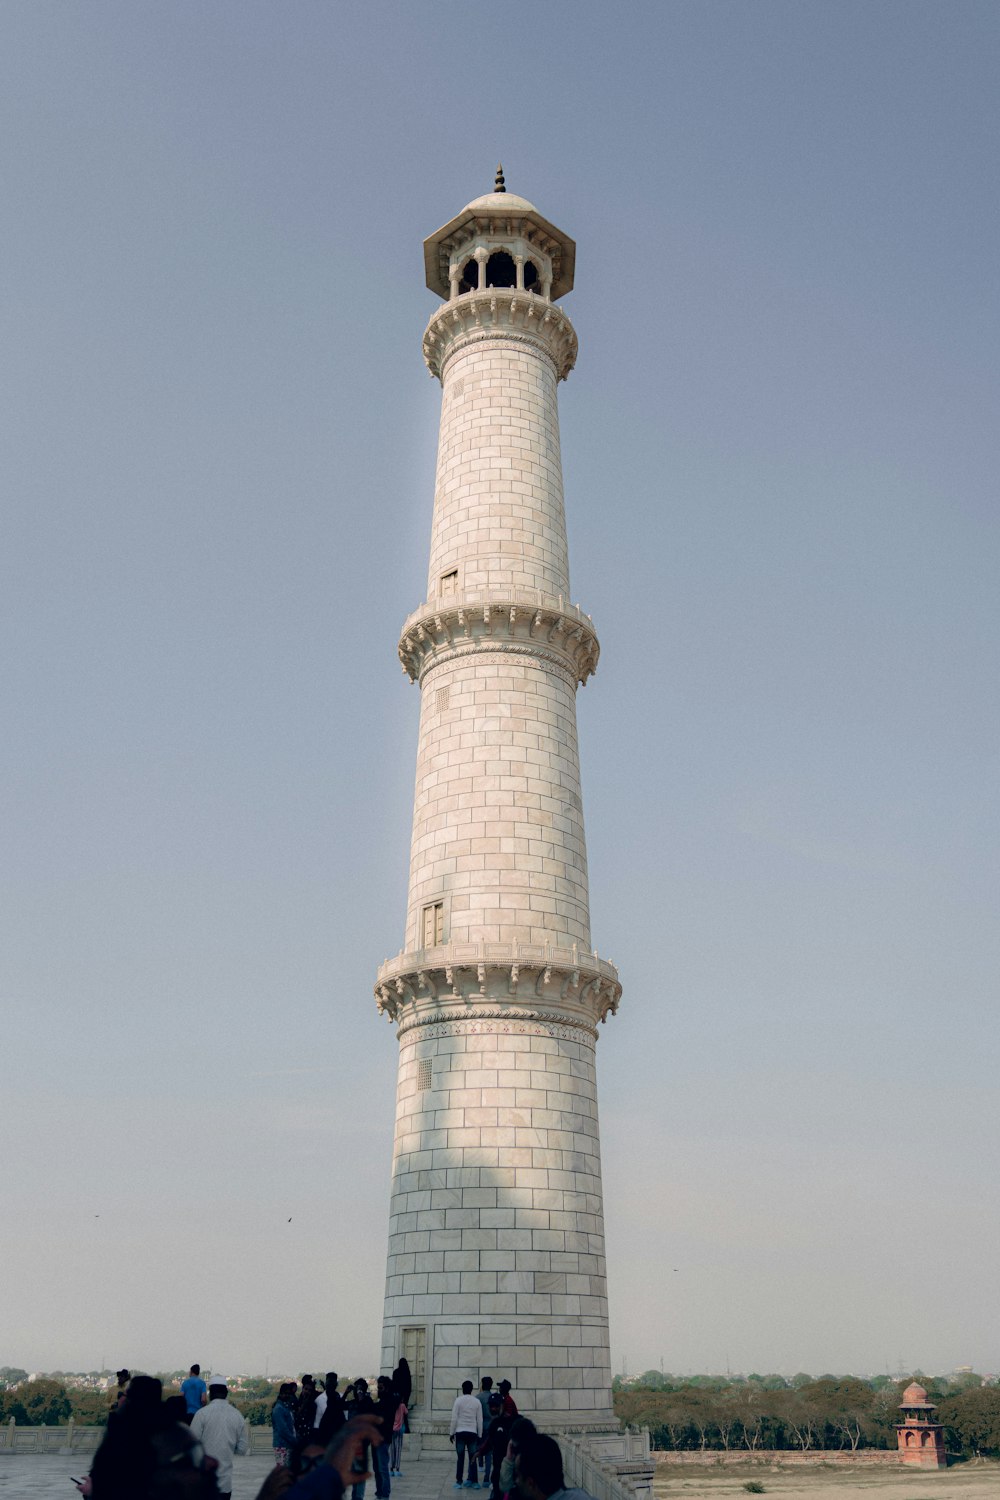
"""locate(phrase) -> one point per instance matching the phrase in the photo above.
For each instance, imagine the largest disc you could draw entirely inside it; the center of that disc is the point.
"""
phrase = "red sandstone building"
(920, 1439)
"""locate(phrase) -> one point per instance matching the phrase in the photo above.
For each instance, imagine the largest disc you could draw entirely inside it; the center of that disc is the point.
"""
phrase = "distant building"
(919, 1438)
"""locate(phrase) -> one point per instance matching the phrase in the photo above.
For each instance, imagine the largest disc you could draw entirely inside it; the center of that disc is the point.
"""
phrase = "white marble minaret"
(496, 1235)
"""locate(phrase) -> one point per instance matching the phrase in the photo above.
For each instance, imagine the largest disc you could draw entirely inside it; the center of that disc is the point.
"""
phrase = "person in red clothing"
(509, 1409)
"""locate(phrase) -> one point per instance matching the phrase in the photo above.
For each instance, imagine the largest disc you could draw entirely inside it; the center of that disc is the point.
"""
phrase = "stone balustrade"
(613, 1465)
(517, 316)
(495, 981)
(75, 1437)
(500, 619)
(529, 955)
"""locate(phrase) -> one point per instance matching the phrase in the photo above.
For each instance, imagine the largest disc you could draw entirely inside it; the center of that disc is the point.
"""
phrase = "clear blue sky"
(781, 463)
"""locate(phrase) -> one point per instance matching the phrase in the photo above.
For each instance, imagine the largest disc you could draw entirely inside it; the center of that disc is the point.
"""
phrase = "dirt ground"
(968, 1481)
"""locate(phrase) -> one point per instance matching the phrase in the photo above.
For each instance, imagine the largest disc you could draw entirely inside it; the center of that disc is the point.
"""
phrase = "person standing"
(195, 1392)
(398, 1429)
(509, 1406)
(321, 1403)
(363, 1406)
(385, 1409)
(124, 1463)
(494, 1445)
(466, 1431)
(283, 1426)
(402, 1381)
(483, 1397)
(305, 1410)
(222, 1432)
(331, 1418)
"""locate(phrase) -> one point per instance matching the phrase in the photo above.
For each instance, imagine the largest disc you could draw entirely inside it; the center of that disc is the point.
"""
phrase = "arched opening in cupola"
(530, 276)
(470, 277)
(501, 270)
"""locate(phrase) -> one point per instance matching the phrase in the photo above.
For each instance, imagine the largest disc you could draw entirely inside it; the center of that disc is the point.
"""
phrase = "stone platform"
(45, 1476)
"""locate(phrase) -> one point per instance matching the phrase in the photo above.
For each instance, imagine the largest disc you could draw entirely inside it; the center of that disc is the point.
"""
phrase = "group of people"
(315, 1414)
(156, 1449)
(182, 1447)
(482, 1426)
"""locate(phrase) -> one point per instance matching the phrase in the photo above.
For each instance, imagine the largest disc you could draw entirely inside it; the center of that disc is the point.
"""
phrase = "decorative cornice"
(512, 981)
(486, 1020)
(498, 312)
(533, 624)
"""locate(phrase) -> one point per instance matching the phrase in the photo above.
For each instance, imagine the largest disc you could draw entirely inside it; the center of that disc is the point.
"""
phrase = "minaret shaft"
(496, 1249)
(498, 504)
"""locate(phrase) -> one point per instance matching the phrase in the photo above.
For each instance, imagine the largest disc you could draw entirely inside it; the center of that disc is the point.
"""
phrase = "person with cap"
(222, 1432)
(493, 1448)
(122, 1378)
(509, 1406)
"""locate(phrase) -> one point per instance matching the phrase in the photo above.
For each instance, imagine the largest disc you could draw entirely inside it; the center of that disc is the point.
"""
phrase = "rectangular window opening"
(413, 1343)
(449, 583)
(432, 925)
(424, 1074)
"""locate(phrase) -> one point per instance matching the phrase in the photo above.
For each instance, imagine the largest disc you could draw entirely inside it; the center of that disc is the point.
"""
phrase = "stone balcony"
(523, 621)
(519, 316)
(497, 982)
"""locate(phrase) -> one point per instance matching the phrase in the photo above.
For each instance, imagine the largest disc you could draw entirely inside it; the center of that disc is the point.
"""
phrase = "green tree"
(36, 1403)
(972, 1421)
(845, 1405)
(260, 1389)
(90, 1408)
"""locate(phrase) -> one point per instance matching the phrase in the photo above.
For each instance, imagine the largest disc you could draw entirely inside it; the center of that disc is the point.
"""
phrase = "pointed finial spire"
(498, 186)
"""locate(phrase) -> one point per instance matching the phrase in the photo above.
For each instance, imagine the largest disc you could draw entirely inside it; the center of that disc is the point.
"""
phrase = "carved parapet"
(504, 620)
(516, 315)
(497, 981)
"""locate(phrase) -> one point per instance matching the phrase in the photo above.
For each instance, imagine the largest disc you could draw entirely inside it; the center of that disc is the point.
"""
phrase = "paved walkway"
(46, 1476)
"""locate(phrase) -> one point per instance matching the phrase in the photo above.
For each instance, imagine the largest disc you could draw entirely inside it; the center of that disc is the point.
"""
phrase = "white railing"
(73, 1436)
(612, 1466)
(498, 598)
(463, 955)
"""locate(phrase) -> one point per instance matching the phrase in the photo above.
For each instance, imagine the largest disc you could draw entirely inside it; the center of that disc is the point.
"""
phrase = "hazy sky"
(780, 449)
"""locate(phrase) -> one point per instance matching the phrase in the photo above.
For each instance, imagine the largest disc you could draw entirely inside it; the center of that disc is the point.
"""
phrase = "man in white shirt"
(465, 1432)
(222, 1433)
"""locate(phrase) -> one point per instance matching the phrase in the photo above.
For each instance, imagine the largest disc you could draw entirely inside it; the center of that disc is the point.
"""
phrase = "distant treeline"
(802, 1414)
(704, 1412)
(50, 1403)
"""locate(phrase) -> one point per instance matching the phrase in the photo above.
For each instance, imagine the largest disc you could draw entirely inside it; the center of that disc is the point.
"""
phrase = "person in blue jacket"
(283, 1426)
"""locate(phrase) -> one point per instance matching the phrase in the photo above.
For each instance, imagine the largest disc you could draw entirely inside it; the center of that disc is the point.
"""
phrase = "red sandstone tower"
(919, 1437)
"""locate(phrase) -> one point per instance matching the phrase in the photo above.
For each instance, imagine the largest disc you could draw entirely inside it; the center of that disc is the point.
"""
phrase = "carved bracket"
(465, 623)
(498, 312)
(580, 987)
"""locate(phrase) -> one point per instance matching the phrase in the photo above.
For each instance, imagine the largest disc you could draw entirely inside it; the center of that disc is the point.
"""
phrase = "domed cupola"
(499, 240)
